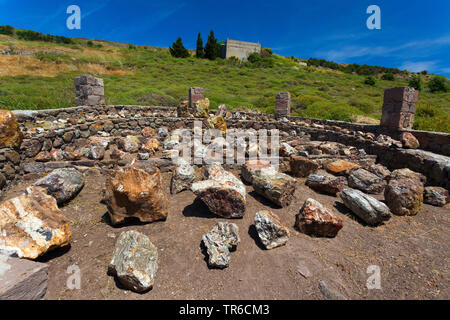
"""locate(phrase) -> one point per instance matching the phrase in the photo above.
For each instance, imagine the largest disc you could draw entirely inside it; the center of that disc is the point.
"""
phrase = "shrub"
(266, 52)
(178, 50)
(90, 43)
(438, 84)
(415, 82)
(388, 77)
(8, 30)
(370, 81)
(254, 57)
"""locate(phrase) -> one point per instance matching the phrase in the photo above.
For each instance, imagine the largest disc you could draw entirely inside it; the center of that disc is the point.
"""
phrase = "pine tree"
(178, 50)
(212, 50)
(200, 53)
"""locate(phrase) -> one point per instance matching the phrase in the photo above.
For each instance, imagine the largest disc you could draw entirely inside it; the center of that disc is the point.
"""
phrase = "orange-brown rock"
(339, 167)
(148, 132)
(10, 134)
(150, 146)
(32, 224)
(136, 193)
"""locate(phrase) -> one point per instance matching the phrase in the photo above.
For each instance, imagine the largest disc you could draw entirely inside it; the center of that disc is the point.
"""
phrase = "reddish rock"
(255, 167)
(276, 187)
(409, 141)
(436, 196)
(302, 167)
(314, 219)
(404, 192)
(136, 193)
(326, 183)
(148, 132)
(340, 167)
(10, 134)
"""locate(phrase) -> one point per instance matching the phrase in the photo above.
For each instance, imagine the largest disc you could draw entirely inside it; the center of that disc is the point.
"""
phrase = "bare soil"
(412, 252)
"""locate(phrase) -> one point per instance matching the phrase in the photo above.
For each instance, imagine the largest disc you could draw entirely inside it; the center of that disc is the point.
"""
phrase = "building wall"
(240, 49)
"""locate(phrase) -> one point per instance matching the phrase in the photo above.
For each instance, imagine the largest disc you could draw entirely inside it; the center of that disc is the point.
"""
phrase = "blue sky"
(414, 35)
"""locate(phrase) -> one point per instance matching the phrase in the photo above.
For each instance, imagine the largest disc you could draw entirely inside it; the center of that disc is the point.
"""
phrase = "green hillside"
(41, 77)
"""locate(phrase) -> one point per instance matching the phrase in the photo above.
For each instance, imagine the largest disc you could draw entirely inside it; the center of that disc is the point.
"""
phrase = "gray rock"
(96, 152)
(272, 232)
(222, 239)
(436, 196)
(63, 184)
(163, 132)
(182, 178)
(364, 206)
(330, 293)
(22, 279)
(327, 183)
(365, 181)
(134, 261)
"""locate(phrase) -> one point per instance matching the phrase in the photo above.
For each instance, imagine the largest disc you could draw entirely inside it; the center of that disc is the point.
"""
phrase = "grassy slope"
(150, 76)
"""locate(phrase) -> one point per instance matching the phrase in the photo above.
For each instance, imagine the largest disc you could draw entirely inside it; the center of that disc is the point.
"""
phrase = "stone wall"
(89, 91)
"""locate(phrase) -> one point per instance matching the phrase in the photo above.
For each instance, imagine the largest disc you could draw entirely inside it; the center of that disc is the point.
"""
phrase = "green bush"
(415, 82)
(178, 50)
(29, 35)
(388, 77)
(438, 84)
(370, 81)
(8, 30)
(254, 57)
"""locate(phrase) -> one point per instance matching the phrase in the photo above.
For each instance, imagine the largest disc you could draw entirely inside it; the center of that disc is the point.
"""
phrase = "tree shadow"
(198, 209)
(253, 233)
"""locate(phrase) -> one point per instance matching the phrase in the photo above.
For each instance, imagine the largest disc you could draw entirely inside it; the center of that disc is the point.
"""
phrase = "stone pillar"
(195, 94)
(283, 105)
(89, 91)
(399, 108)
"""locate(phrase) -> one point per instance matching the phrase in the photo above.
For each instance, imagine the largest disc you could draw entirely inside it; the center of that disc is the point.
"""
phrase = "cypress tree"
(200, 52)
(178, 50)
(212, 47)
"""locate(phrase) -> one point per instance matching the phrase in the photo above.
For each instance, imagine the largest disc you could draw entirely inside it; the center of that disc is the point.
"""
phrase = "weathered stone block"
(195, 94)
(399, 108)
(283, 104)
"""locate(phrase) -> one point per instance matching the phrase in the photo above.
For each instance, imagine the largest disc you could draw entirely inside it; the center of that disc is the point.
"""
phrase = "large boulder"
(317, 220)
(277, 187)
(369, 209)
(272, 232)
(366, 181)
(182, 178)
(302, 167)
(327, 183)
(10, 134)
(63, 184)
(218, 122)
(219, 242)
(436, 196)
(32, 224)
(201, 108)
(255, 167)
(136, 193)
(222, 192)
(404, 192)
(340, 167)
(134, 261)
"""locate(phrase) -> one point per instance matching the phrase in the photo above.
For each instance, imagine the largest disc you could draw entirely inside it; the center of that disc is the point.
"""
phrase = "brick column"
(89, 91)
(399, 108)
(283, 105)
(195, 94)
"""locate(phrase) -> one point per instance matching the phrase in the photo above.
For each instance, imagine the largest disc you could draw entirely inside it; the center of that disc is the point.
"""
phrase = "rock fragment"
(365, 181)
(182, 178)
(276, 187)
(436, 196)
(219, 242)
(302, 167)
(272, 232)
(327, 183)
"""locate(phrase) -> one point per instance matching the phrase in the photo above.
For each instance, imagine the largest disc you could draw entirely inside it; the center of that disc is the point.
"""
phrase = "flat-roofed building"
(239, 49)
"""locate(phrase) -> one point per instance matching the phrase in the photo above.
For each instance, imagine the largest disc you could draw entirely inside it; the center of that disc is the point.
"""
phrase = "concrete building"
(239, 49)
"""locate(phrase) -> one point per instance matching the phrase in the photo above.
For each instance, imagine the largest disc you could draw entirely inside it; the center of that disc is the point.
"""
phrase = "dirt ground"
(412, 252)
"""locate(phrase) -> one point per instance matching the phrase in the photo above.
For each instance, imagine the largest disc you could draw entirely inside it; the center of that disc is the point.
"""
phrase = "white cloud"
(419, 66)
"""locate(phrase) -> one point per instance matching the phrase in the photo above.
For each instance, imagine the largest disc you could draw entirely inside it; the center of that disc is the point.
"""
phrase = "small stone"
(10, 134)
(134, 261)
(148, 132)
(143, 156)
(272, 232)
(96, 152)
(329, 293)
(43, 156)
(436, 196)
(302, 167)
(365, 181)
(286, 150)
(183, 178)
(315, 219)
(340, 167)
(327, 183)
(129, 144)
(409, 141)
(219, 242)
(369, 209)
(63, 184)
(379, 170)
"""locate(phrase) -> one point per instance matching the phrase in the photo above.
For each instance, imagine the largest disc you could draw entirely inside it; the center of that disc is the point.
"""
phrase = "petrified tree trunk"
(276, 187)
